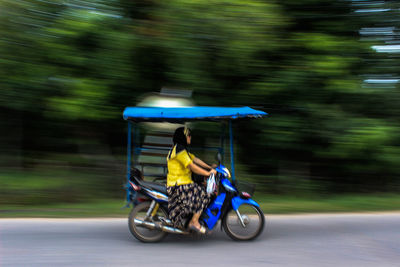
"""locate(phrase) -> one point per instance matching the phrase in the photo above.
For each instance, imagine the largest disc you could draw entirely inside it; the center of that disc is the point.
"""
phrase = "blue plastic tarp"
(176, 114)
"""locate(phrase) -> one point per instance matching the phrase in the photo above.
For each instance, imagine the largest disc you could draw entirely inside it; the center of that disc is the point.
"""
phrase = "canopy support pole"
(128, 162)
(222, 143)
(232, 157)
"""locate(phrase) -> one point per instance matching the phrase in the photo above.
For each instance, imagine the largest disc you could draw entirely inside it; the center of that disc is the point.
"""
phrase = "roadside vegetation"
(270, 205)
(63, 194)
(326, 71)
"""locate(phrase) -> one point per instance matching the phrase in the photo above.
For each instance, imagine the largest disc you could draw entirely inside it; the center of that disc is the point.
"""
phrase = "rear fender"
(237, 201)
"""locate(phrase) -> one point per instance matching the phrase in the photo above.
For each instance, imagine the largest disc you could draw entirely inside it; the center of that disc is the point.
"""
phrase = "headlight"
(227, 173)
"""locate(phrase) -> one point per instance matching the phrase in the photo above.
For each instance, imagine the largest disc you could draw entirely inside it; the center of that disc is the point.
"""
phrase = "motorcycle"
(241, 217)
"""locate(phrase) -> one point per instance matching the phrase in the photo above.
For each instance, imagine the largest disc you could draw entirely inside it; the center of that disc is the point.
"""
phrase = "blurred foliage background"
(327, 72)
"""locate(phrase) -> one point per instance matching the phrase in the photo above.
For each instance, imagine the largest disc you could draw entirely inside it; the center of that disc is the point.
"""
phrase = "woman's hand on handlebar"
(212, 171)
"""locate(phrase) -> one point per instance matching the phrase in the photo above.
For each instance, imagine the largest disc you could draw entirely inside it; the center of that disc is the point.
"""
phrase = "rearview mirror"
(219, 157)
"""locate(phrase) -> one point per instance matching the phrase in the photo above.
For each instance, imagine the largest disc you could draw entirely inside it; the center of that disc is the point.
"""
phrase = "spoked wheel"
(248, 227)
(141, 231)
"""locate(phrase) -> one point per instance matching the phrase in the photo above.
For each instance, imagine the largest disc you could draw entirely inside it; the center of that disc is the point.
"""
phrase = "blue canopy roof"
(178, 114)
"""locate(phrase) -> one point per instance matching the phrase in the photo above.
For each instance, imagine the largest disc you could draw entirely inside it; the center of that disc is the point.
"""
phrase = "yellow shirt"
(178, 161)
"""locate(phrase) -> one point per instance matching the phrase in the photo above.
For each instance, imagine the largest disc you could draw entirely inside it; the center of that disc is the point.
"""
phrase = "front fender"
(237, 201)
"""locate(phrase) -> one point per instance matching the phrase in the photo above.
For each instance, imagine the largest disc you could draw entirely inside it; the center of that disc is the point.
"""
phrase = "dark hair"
(180, 136)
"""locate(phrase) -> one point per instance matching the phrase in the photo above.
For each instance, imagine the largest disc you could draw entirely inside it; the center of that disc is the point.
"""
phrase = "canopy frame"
(173, 115)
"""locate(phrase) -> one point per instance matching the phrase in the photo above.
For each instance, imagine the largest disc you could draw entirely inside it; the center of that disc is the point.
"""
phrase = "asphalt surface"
(296, 240)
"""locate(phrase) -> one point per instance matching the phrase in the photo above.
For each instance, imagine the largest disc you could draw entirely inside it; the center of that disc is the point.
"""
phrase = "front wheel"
(248, 226)
(144, 233)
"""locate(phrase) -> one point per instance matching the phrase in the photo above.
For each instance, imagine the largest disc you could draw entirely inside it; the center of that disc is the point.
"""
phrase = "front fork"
(236, 202)
(240, 218)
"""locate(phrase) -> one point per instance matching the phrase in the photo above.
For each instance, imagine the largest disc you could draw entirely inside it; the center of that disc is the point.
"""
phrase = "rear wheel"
(141, 232)
(248, 227)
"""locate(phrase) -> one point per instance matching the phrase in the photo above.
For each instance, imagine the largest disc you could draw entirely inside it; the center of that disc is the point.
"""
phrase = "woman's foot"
(197, 228)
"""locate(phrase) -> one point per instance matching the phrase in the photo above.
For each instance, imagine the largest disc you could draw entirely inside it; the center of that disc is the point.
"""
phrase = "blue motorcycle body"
(215, 210)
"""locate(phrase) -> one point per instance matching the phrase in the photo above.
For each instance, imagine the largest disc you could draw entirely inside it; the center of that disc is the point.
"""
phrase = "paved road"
(301, 240)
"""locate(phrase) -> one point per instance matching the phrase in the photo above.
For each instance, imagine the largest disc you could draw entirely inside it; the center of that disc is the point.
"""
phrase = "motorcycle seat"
(155, 186)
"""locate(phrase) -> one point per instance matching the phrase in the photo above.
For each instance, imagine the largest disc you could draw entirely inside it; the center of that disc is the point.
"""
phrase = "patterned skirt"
(184, 200)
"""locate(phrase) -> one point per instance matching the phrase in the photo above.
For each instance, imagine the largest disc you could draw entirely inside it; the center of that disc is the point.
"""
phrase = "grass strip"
(269, 204)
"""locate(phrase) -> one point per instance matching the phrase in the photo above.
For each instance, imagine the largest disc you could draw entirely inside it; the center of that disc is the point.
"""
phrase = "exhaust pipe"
(164, 228)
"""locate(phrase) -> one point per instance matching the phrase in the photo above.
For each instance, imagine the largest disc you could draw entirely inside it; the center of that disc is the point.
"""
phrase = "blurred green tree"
(68, 68)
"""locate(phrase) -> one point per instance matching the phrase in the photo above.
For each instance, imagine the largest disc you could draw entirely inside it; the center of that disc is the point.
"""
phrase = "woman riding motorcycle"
(184, 196)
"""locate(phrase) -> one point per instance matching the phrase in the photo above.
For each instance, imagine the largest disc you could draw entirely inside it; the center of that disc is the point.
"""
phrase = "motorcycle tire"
(143, 233)
(254, 221)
